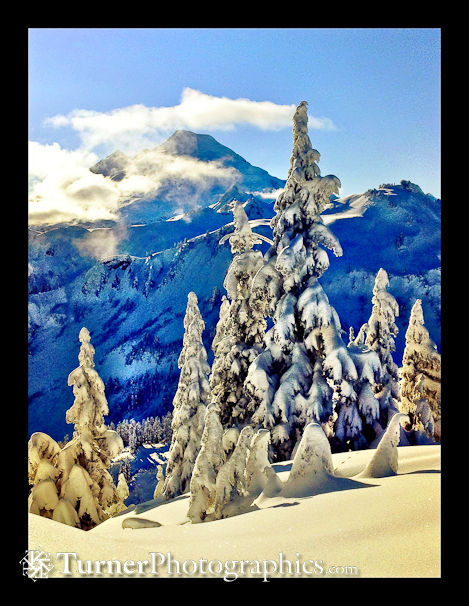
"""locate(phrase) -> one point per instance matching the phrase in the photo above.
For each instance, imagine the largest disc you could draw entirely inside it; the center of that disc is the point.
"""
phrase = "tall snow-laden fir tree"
(371, 350)
(72, 485)
(209, 461)
(84, 461)
(421, 377)
(306, 366)
(368, 387)
(381, 330)
(241, 327)
(190, 403)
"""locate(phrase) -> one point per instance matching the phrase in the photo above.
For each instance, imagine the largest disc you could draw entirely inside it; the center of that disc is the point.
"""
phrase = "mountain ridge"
(132, 296)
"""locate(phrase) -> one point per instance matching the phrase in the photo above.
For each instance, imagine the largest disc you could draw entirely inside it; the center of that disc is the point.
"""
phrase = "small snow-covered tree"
(241, 326)
(125, 471)
(381, 331)
(133, 436)
(230, 485)
(166, 431)
(160, 482)
(122, 487)
(209, 461)
(368, 387)
(43, 474)
(190, 402)
(257, 461)
(421, 377)
(306, 367)
(84, 461)
(72, 485)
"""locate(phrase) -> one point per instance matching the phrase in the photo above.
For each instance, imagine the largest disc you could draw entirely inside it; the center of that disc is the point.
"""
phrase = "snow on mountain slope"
(400, 230)
(351, 527)
(189, 171)
(128, 285)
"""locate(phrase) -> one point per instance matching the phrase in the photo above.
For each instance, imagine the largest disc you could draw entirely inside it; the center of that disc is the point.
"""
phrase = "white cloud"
(63, 189)
(101, 243)
(131, 128)
(273, 194)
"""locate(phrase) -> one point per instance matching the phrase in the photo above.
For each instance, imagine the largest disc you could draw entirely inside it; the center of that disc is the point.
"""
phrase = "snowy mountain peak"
(187, 143)
(113, 166)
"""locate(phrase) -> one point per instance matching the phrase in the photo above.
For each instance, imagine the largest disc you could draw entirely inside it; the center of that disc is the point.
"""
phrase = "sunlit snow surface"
(386, 527)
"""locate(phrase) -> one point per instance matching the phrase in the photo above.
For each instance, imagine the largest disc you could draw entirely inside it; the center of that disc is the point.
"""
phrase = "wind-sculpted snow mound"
(385, 460)
(312, 471)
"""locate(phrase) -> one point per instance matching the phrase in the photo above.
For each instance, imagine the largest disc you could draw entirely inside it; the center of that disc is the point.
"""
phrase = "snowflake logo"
(36, 564)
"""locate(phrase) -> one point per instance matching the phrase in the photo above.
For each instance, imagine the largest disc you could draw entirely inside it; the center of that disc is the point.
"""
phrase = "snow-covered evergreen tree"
(368, 388)
(190, 402)
(122, 487)
(166, 430)
(257, 461)
(160, 482)
(305, 340)
(209, 461)
(241, 327)
(230, 485)
(85, 481)
(72, 485)
(43, 474)
(381, 331)
(421, 377)
(125, 471)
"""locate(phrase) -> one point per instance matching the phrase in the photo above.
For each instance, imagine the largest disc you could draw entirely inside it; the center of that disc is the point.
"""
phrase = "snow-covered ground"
(385, 527)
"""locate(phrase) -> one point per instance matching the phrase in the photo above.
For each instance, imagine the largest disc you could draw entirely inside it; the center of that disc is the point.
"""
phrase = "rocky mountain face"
(128, 282)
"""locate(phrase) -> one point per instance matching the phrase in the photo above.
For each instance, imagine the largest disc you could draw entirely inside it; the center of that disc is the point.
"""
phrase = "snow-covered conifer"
(381, 331)
(241, 326)
(421, 377)
(230, 485)
(273, 485)
(160, 482)
(257, 462)
(361, 337)
(85, 481)
(72, 485)
(190, 402)
(43, 474)
(306, 336)
(209, 460)
(122, 487)
(368, 387)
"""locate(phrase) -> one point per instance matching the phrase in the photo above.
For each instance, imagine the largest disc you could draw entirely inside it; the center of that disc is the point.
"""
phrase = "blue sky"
(375, 93)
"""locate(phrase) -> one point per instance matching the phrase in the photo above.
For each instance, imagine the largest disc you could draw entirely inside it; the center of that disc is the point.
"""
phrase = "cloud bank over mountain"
(63, 189)
(136, 126)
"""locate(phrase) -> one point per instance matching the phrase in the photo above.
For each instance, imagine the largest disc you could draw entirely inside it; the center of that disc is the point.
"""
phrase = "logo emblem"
(36, 564)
